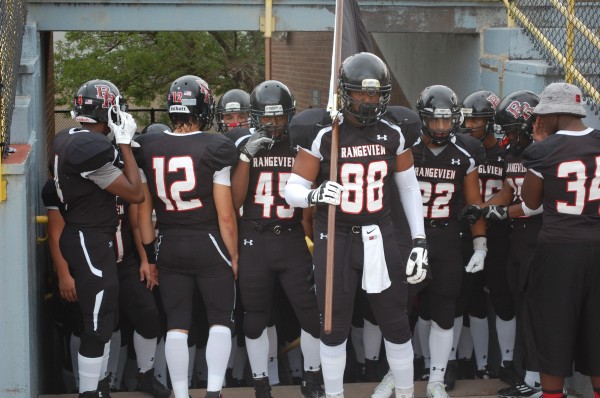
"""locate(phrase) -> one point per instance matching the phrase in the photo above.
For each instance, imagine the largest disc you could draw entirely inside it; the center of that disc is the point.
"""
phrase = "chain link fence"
(12, 24)
(143, 117)
(567, 33)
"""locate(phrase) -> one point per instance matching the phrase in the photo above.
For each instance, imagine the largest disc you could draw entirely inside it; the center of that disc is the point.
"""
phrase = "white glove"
(328, 193)
(477, 260)
(124, 129)
(418, 262)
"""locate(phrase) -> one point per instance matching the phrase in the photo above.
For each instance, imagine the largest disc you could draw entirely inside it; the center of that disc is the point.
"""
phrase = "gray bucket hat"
(560, 98)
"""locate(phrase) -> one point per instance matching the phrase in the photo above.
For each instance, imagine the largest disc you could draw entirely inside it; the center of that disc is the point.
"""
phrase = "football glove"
(495, 213)
(471, 214)
(124, 129)
(328, 193)
(257, 142)
(416, 268)
(477, 260)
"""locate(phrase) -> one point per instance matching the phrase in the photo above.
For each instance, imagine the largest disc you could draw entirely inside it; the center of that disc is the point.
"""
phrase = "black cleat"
(509, 375)
(424, 376)
(311, 385)
(466, 369)
(213, 394)
(262, 388)
(91, 394)
(149, 384)
(518, 391)
(104, 386)
(450, 375)
(485, 374)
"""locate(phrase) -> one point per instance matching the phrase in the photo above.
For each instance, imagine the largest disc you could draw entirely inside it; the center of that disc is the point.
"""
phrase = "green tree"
(143, 64)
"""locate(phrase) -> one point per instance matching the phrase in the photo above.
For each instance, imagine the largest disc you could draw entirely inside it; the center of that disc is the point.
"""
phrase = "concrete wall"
(20, 285)
(418, 60)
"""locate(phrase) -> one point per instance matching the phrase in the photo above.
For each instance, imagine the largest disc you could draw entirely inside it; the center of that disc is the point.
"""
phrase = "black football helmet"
(515, 114)
(439, 102)
(94, 100)
(155, 128)
(233, 101)
(190, 100)
(481, 104)
(272, 98)
(364, 72)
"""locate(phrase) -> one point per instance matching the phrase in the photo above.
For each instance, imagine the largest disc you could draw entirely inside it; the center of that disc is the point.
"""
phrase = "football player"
(87, 180)
(136, 301)
(372, 152)
(478, 110)
(446, 164)
(562, 294)
(515, 117)
(188, 183)
(233, 110)
(272, 245)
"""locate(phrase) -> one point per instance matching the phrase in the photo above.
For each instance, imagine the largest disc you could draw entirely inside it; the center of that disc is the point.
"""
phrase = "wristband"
(244, 158)
(480, 243)
(150, 250)
(531, 212)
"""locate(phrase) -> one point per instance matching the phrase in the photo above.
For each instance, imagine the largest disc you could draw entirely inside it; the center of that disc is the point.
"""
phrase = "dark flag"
(355, 39)
(349, 37)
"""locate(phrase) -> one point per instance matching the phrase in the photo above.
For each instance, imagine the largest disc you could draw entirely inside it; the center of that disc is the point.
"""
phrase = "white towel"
(375, 274)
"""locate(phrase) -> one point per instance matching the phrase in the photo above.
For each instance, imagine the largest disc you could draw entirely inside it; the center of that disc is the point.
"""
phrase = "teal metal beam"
(458, 16)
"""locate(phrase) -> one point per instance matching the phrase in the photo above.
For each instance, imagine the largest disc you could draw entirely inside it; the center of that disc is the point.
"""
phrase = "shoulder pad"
(409, 122)
(472, 145)
(305, 126)
(239, 135)
(222, 152)
(49, 194)
(90, 151)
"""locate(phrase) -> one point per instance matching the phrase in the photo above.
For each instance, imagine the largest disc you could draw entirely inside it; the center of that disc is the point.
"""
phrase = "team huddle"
(432, 213)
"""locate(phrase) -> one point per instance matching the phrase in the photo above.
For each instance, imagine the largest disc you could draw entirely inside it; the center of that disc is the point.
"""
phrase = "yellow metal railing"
(2, 181)
(572, 74)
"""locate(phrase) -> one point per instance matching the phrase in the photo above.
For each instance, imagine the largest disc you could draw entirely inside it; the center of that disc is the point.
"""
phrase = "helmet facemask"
(274, 120)
(274, 100)
(233, 110)
(482, 129)
(518, 136)
(365, 112)
(441, 136)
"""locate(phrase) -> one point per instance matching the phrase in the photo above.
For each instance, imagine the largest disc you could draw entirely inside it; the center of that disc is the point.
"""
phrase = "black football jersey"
(75, 154)
(514, 173)
(441, 176)
(179, 169)
(366, 163)
(269, 172)
(124, 242)
(569, 163)
(491, 171)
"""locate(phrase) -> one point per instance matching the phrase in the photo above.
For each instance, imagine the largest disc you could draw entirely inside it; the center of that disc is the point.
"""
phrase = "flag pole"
(333, 109)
